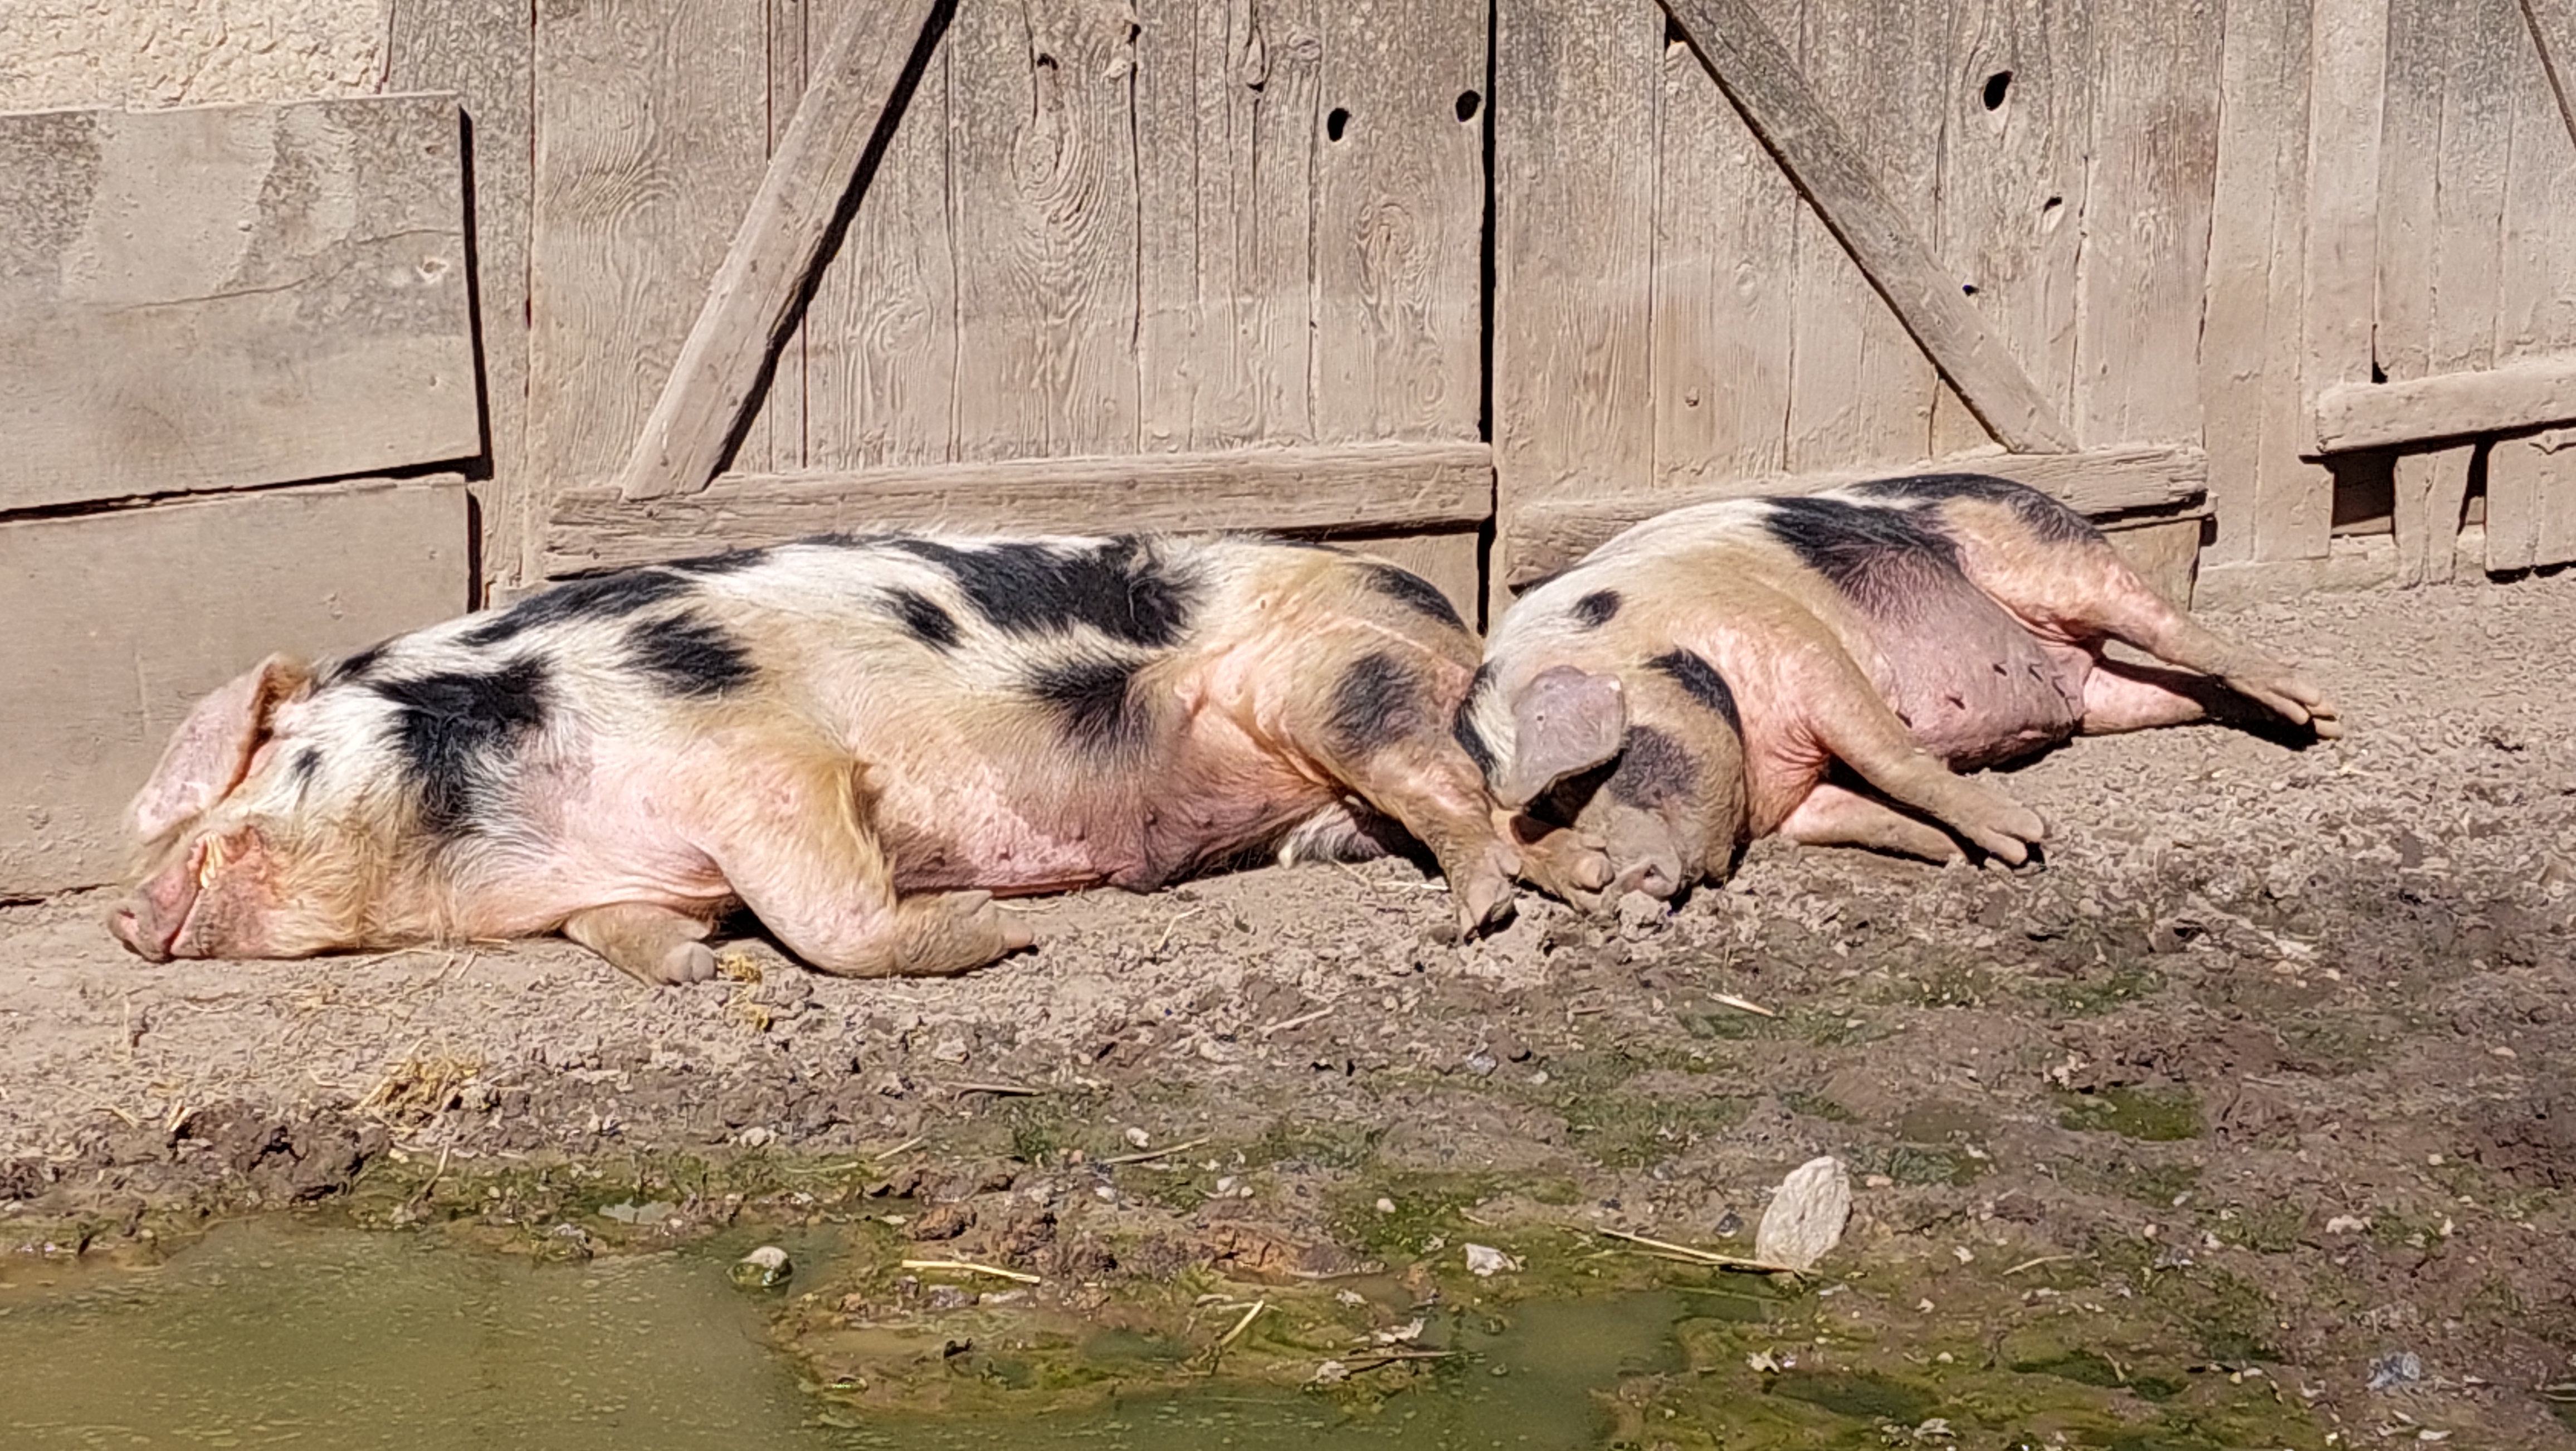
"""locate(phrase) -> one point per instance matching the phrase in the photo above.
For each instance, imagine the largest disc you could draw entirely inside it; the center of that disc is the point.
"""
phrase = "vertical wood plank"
(1398, 222)
(775, 442)
(2537, 311)
(1042, 175)
(880, 337)
(1860, 388)
(651, 134)
(2482, 42)
(2013, 182)
(2409, 150)
(2147, 222)
(2254, 420)
(1724, 219)
(483, 50)
(2431, 486)
(1574, 208)
(2348, 54)
(1227, 125)
(2531, 501)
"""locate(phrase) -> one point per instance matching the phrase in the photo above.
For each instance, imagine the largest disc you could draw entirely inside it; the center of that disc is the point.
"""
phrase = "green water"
(277, 1334)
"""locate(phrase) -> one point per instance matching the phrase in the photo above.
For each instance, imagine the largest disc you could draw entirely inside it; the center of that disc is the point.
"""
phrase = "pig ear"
(1564, 721)
(212, 750)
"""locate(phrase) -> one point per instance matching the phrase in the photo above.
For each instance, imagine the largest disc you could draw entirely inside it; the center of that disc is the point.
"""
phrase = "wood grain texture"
(2431, 487)
(1043, 190)
(1861, 389)
(1399, 207)
(775, 441)
(484, 52)
(1385, 487)
(2537, 312)
(120, 622)
(2553, 34)
(1725, 220)
(855, 93)
(1228, 126)
(232, 295)
(1766, 85)
(2410, 145)
(2484, 44)
(652, 129)
(2531, 501)
(2014, 179)
(2147, 222)
(2166, 482)
(880, 339)
(2526, 394)
(2268, 501)
(2348, 53)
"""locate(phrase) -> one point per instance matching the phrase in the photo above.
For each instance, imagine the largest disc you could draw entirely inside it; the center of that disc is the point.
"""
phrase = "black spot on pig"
(300, 769)
(689, 655)
(1881, 558)
(1094, 702)
(1378, 702)
(1704, 684)
(1597, 608)
(453, 730)
(1407, 588)
(1462, 726)
(732, 561)
(922, 618)
(1120, 587)
(1654, 771)
(600, 597)
(2049, 520)
(355, 667)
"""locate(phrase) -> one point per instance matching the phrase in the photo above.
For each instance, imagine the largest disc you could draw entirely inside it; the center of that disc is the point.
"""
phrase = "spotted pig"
(861, 740)
(1823, 666)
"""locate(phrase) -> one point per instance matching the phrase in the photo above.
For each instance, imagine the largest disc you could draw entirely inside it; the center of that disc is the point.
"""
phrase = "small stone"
(766, 1268)
(1480, 1063)
(1806, 1216)
(1484, 1261)
(1139, 1138)
(1878, 1181)
(1385, 1205)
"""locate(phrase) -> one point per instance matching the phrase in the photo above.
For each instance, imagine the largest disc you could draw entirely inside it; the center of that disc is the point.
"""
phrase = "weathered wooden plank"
(1227, 128)
(1782, 108)
(2351, 562)
(120, 622)
(1861, 389)
(651, 122)
(2537, 313)
(2553, 32)
(2483, 42)
(2410, 144)
(484, 51)
(2431, 487)
(2526, 394)
(2147, 223)
(1548, 537)
(1399, 221)
(2531, 501)
(1723, 277)
(860, 83)
(2254, 415)
(775, 441)
(232, 295)
(2015, 154)
(1042, 174)
(880, 338)
(1574, 196)
(1386, 487)
(2348, 52)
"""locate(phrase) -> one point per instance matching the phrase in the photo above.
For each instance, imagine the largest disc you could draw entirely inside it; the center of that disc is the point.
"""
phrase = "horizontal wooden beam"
(2530, 394)
(1544, 539)
(861, 81)
(1374, 487)
(1760, 76)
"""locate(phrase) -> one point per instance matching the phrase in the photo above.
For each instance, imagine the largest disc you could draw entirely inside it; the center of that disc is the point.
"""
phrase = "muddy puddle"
(271, 1333)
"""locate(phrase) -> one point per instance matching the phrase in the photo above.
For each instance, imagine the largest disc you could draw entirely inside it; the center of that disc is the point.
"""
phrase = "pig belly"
(1974, 687)
(1138, 839)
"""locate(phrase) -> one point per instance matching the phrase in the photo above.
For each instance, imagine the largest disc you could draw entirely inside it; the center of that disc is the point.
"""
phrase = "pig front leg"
(1845, 715)
(1836, 816)
(654, 945)
(786, 827)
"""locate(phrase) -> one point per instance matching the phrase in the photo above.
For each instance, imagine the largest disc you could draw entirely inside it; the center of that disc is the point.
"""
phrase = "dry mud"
(2269, 1074)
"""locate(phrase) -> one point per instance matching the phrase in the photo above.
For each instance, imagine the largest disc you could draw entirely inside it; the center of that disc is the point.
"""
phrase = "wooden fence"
(2282, 288)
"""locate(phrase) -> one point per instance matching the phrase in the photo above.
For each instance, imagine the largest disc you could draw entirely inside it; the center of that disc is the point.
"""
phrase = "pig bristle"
(689, 655)
(451, 729)
(1377, 702)
(1702, 682)
(2047, 519)
(1124, 587)
(599, 597)
(1410, 589)
(1094, 702)
(1654, 770)
(1597, 608)
(922, 618)
(1482, 721)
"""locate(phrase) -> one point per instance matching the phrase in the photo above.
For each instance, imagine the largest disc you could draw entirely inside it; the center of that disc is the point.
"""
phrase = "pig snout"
(151, 918)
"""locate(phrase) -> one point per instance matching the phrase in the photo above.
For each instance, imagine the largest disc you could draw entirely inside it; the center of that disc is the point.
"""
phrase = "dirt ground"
(2290, 1030)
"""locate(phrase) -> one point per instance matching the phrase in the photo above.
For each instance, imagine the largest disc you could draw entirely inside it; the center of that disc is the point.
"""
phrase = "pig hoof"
(689, 962)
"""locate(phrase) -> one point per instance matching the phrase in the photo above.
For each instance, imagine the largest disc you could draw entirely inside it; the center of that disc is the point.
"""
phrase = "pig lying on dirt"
(859, 739)
(1820, 666)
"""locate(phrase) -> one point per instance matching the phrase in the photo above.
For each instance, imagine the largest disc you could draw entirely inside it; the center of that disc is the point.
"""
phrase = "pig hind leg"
(787, 831)
(2084, 589)
(654, 945)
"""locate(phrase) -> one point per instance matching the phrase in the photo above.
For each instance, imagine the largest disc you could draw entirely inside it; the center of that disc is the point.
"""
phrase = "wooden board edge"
(2533, 394)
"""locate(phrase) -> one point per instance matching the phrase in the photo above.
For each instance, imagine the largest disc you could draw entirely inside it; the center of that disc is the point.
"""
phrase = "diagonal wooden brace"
(1764, 82)
(849, 111)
